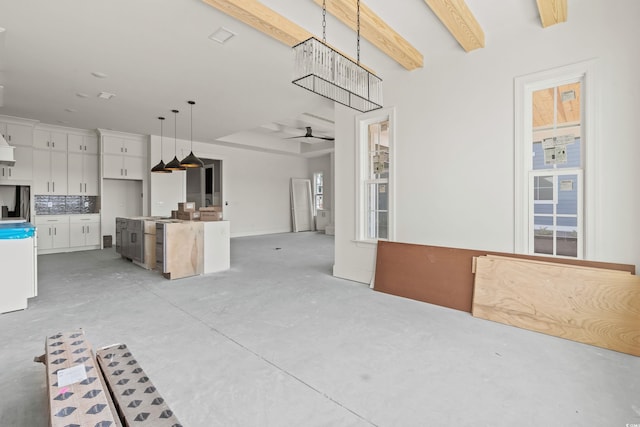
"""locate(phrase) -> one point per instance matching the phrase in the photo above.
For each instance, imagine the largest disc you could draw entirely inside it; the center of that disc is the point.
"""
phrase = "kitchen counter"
(18, 263)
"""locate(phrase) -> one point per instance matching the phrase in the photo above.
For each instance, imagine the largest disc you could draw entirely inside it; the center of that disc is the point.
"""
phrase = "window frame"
(524, 87)
(362, 122)
(316, 193)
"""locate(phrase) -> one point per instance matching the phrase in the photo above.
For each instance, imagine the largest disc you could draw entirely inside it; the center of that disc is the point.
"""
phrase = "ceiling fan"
(309, 134)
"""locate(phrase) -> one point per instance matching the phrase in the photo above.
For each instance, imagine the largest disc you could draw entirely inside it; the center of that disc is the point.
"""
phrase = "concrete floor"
(276, 341)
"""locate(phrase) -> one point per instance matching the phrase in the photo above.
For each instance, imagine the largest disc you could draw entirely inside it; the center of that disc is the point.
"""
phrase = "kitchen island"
(18, 263)
(176, 248)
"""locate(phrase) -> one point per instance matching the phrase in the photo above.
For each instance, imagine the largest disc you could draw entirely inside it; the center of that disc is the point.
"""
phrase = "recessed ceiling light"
(222, 35)
(99, 75)
(2, 30)
(70, 110)
(82, 95)
(106, 95)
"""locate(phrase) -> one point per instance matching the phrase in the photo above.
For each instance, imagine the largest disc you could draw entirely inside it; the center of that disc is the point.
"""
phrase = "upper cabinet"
(123, 158)
(50, 140)
(49, 161)
(17, 134)
(83, 165)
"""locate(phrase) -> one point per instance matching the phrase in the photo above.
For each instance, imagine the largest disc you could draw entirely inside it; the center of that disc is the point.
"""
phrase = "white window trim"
(524, 86)
(362, 121)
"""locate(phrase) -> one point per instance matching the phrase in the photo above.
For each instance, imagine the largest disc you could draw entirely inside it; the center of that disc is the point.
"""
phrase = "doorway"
(204, 185)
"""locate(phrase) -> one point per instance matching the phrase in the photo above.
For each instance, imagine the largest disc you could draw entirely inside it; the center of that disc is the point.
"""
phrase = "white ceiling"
(157, 56)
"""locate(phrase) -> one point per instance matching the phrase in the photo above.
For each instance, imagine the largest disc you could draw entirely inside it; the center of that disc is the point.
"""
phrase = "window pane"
(543, 188)
(374, 175)
(383, 226)
(543, 240)
(557, 127)
(540, 208)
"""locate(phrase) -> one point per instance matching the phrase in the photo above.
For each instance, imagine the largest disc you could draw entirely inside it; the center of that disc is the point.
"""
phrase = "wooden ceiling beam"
(552, 11)
(376, 31)
(459, 20)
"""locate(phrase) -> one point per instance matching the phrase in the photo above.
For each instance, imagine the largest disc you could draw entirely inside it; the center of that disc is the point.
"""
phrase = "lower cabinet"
(53, 232)
(66, 233)
(84, 230)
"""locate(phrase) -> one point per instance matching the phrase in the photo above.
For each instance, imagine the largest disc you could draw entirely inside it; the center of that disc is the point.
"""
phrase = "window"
(554, 158)
(318, 179)
(375, 168)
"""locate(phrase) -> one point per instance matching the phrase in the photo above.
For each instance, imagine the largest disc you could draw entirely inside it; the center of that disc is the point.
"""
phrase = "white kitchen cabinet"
(123, 146)
(22, 171)
(45, 139)
(49, 172)
(82, 143)
(17, 134)
(84, 230)
(123, 167)
(53, 232)
(82, 170)
(123, 158)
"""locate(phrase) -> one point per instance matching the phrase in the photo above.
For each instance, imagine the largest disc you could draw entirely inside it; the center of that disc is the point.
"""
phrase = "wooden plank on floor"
(593, 306)
(442, 275)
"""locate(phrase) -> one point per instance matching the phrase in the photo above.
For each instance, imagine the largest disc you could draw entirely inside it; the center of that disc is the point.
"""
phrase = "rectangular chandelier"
(328, 73)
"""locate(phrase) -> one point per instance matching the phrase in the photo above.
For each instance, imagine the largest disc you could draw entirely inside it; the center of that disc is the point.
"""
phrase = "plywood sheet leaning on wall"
(595, 306)
(442, 275)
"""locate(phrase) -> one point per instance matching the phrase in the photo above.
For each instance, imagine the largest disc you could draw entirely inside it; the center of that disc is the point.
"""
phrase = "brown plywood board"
(442, 275)
(593, 306)
(84, 403)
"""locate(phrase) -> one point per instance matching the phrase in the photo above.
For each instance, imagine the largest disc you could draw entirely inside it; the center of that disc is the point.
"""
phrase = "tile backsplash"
(62, 205)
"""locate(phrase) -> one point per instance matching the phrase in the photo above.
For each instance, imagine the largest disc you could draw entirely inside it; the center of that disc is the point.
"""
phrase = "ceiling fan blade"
(309, 134)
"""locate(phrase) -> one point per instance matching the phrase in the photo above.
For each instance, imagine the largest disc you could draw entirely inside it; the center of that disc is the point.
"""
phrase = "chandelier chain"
(324, 21)
(358, 42)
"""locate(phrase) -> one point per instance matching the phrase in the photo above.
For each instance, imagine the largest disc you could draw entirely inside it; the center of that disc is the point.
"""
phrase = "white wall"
(124, 199)
(455, 132)
(255, 186)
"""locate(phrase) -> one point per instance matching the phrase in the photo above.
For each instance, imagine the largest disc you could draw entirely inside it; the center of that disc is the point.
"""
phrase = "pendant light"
(191, 161)
(160, 167)
(174, 165)
(324, 71)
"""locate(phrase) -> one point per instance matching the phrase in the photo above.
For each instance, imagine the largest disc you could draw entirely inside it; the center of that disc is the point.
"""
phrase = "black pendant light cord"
(191, 103)
(161, 133)
(358, 43)
(175, 132)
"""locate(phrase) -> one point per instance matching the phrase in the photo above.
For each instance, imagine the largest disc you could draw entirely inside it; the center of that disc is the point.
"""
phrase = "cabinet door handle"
(81, 187)
(53, 144)
(47, 186)
(85, 187)
(55, 231)
(49, 231)
(53, 186)
(87, 229)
